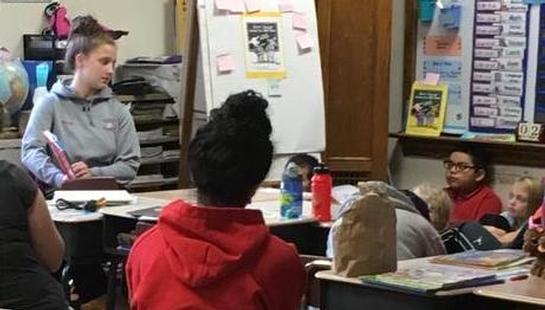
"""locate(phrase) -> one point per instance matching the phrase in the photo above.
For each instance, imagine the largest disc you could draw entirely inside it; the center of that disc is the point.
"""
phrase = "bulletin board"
(272, 47)
(490, 64)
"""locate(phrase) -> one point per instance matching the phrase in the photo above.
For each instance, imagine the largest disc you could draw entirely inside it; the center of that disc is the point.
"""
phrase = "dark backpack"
(469, 236)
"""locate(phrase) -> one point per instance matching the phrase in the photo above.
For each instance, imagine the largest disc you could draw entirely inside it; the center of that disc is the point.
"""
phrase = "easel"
(189, 79)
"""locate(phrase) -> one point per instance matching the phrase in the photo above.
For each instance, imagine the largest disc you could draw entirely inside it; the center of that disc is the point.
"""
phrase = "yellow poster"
(426, 113)
(263, 46)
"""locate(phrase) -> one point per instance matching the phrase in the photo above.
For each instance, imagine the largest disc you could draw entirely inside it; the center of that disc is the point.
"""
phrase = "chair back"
(313, 264)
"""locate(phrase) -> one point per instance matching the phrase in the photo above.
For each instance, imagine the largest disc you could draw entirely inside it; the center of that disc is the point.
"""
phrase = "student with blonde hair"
(525, 197)
(439, 204)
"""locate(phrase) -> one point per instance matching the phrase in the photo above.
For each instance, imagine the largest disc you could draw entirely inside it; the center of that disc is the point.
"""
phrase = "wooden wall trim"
(354, 164)
(409, 57)
(382, 91)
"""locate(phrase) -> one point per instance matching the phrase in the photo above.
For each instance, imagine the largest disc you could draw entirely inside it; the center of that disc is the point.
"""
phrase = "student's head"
(466, 169)
(306, 165)
(91, 52)
(525, 197)
(439, 204)
(231, 154)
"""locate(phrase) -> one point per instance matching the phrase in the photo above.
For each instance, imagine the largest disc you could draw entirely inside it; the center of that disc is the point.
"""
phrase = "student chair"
(313, 264)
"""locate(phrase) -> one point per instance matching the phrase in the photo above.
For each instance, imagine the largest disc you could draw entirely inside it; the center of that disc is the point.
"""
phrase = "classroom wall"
(407, 172)
(150, 23)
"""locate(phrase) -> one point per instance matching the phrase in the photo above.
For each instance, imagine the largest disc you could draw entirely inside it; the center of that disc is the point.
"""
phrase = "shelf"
(168, 121)
(499, 152)
(159, 141)
(148, 97)
(160, 161)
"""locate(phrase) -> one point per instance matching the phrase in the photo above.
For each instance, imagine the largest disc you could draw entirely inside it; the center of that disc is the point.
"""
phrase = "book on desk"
(496, 259)
(426, 276)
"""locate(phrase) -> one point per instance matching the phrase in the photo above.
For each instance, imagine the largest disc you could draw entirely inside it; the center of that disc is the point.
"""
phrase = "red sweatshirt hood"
(206, 244)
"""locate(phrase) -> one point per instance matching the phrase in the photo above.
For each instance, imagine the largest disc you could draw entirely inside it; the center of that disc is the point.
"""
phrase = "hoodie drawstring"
(87, 109)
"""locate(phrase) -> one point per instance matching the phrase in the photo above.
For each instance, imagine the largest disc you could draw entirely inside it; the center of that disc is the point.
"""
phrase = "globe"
(14, 86)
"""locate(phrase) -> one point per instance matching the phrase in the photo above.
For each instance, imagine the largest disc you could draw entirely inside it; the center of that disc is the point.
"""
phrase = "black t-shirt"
(24, 282)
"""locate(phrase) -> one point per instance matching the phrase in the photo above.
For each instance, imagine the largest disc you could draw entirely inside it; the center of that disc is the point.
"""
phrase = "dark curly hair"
(232, 153)
(86, 34)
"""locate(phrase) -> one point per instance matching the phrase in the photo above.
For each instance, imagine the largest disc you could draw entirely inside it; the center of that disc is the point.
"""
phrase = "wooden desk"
(190, 195)
(530, 292)
(342, 293)
(301, 231)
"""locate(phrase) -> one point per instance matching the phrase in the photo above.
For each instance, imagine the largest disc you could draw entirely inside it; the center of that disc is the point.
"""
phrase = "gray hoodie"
(98, 131)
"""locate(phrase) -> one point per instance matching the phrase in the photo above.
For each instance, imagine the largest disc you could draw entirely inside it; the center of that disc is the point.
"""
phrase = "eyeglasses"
(458, 167)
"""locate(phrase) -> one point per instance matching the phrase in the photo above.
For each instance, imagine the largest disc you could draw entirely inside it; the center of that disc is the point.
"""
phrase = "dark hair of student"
(86, 34)
(304, 160)
(231, 154)
(480, 160)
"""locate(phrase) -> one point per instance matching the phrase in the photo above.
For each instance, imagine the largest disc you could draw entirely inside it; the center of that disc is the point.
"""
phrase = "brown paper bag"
(365, 241)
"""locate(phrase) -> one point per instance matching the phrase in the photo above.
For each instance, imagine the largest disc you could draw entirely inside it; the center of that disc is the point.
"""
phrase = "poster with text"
(263, 46)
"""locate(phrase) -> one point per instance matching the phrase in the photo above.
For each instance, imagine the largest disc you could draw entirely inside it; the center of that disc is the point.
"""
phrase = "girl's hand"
(80, 170)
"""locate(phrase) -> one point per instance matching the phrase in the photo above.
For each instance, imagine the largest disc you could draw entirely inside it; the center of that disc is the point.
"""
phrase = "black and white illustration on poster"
(264, 58)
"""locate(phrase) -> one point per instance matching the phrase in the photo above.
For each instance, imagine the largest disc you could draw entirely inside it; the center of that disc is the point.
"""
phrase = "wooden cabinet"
(355, 39)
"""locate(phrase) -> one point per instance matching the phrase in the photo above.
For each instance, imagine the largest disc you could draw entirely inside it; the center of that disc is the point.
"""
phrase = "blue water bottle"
(291, 190)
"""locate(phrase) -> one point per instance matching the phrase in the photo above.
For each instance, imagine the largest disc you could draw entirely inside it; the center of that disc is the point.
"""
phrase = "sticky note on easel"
(253, 6)
(273, 88)
(223, 5)
(300, 21)
(225, 63)
(431, 78)
(286, 6)
(237, 6)
(304, 41)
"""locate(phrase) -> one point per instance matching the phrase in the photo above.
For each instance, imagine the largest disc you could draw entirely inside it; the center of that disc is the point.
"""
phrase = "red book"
(59, 154)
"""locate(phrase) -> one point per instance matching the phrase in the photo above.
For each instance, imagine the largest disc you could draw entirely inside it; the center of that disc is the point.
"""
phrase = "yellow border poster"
(426, 113)
(263, 46)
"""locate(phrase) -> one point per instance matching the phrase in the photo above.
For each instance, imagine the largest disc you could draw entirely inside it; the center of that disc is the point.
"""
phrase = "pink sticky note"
(286, 6)
(304, 41)
(253, 6)
(300, 21)
(237, 6)
(225, 63)
(431, 78)
(223, 4)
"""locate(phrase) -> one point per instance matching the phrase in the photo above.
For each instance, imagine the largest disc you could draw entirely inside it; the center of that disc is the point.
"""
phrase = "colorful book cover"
(427, 106)
(484, 259)
(60, 154)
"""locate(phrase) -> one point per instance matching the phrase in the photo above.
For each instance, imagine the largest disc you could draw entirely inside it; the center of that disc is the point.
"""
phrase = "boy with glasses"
(467, 174)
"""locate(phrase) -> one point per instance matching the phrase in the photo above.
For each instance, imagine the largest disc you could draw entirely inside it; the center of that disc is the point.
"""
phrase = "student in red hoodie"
(217, 254)
(467, 173)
